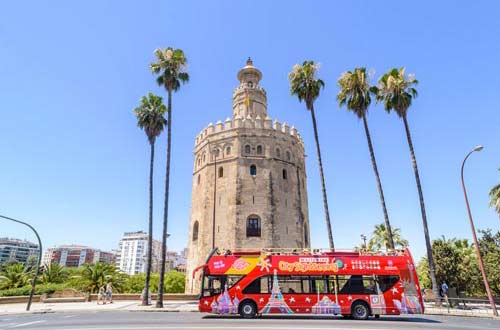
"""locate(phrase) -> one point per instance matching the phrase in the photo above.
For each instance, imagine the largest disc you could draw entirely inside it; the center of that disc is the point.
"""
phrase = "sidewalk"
(131, 306)
(473, 310)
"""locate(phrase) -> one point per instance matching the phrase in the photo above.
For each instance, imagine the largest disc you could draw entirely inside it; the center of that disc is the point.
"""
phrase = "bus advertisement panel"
(351, 284)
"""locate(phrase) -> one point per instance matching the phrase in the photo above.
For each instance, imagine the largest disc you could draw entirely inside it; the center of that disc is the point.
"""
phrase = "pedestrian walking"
(444, 292)
(101, 295)
(109, 292)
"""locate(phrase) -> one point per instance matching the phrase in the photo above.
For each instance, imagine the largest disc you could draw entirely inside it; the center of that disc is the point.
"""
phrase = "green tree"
(14, 276)
(135, 283)
(171, 68)
(396, 90)
(175, 282)
(495, 197)
(306, 86)
(489, 245)
(355, 93)
(456, 264)
(150, 118)
(54, 273)
(379, 238)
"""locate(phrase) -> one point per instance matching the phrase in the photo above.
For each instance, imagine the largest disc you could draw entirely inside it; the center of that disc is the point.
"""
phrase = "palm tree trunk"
(390, 240)
(428, 245)
(323, 187)
(150, 230)
(159, 301)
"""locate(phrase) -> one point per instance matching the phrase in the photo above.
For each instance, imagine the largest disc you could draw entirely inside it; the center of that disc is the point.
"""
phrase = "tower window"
(221, 172)
(195, 231)
(253, 170)
(284, 174)
(247, 149)
(228, 151)
(199, 178)
(259, 150)
(288, 156)
(253, 226)
(278, 152)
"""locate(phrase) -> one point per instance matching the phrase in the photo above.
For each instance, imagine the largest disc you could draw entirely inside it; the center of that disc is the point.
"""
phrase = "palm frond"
(171, 68)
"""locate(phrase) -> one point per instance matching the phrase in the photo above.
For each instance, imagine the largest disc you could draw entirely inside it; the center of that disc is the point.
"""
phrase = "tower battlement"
(251, 123)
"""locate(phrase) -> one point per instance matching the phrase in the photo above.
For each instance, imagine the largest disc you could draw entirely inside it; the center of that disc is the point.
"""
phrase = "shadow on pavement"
(322, 317)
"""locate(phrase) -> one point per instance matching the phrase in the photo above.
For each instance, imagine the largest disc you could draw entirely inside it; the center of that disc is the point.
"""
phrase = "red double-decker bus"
(352, 284)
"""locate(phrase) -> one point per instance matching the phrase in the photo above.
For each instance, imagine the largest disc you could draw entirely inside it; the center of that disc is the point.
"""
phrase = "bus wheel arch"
(247, 308)
(360, 309)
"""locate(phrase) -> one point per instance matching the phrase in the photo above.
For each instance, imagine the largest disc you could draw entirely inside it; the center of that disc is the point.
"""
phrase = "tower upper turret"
(249, 99)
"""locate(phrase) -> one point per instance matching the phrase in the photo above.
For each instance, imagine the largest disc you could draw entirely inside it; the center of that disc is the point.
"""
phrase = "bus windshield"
(215, 284)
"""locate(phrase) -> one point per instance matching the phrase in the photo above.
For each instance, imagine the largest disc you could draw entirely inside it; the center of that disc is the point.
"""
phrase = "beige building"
(257, 168)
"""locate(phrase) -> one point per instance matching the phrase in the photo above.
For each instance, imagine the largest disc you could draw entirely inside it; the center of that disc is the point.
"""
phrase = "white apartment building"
(132, 251)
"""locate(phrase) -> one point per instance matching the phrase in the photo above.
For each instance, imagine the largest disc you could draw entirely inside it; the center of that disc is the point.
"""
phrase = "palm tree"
(306, 86)
(495, 197)
(171, 68)
(93, 276)
(380, 240)
(150, 118)
(355, 94)
(54, 273)
(396, 90)
(14, 276)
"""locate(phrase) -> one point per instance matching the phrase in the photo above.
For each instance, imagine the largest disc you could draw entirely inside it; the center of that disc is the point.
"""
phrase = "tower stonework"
(257, 168)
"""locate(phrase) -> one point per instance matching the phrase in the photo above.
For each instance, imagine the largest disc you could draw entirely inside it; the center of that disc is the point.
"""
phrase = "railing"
(461, 306)
(312, 251)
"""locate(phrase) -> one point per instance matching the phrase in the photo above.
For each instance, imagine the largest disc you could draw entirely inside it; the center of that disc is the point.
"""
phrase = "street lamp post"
(33, 283)
(476, 245)
(215, 153)
(363, 237)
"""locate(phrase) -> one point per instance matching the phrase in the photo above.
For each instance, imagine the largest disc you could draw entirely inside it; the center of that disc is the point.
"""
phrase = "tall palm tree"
(150, 118)
(171, 68)
(495, 197)
(306, 86)
(396, 90)
(380, 240)
(355, 94)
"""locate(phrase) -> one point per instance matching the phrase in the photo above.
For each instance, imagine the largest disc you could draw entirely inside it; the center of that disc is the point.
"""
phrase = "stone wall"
(276, 194)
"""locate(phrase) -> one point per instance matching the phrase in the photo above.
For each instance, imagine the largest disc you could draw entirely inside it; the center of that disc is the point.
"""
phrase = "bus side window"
(318, 285)
(386, 282)
(370, 285)
(352, 284)
(259, 285)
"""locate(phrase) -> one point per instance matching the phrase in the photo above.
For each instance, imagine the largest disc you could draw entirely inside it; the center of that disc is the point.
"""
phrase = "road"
(158, 320)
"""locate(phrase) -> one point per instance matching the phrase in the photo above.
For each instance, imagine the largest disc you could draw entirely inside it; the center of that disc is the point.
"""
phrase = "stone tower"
(258, 171)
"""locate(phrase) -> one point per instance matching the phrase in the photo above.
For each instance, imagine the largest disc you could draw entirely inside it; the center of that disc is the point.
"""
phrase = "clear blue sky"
(74, 164)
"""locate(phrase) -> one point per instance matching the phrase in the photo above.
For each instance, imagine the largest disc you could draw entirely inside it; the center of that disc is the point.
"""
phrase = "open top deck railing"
(313, 252)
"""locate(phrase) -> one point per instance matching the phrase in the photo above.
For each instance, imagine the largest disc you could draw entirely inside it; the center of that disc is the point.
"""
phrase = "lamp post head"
(478, 148)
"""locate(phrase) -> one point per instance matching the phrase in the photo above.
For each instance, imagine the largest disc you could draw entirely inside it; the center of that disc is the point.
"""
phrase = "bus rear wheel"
(248, 309)
(360, 310)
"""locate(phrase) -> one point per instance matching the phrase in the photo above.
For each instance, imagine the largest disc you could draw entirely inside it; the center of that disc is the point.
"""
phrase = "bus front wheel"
(360, 310)
(248, 309)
